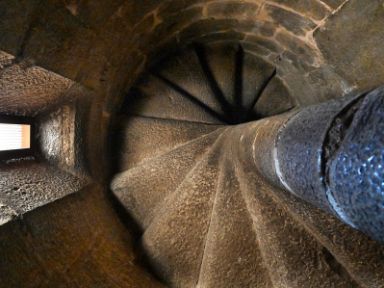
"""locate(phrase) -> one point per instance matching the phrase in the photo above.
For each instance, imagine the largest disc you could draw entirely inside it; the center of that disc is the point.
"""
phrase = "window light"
(15, 136)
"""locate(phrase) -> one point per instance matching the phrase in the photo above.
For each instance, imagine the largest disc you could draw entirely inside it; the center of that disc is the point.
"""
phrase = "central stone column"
(330, 155)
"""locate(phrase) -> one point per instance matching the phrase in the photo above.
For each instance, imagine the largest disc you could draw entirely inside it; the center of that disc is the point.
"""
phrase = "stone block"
(352, 42)
(307, 8)
(16, 18)
(300, 49)
(334, 3)
(294, 22)
(229, 9)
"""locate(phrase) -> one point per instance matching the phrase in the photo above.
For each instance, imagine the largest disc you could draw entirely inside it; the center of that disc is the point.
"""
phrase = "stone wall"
(74, 242)
(106, 46)
(320, 48)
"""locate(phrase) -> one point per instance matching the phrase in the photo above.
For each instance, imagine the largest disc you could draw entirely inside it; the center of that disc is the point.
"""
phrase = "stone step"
(187, 72)
(161, 208)
(156, 97)
(299, 257)
(208, 219)
(231, 253)
(143, 138)
(223, 64)
(174, 241)
(350, 252)
(275, 99)
(141, 188)
(254, 80)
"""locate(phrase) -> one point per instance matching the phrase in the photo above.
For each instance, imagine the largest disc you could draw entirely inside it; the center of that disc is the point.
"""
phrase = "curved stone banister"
(330, 155)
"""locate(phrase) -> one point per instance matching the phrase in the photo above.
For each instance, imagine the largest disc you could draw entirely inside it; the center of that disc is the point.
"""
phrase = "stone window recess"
(42, 115)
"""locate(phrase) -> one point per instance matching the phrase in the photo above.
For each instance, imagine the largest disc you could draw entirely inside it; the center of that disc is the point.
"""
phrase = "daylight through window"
(15, 136)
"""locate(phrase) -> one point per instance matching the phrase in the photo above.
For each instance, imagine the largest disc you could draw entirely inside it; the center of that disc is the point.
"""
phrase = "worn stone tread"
(274, 100)
(164, 135)
(299, 260)
(225, 260)
(356, 256)
(175, 242)
(162, 207)
(185, 70)
(156, 92)
(206, 222)
(254, 79)
(141, 188)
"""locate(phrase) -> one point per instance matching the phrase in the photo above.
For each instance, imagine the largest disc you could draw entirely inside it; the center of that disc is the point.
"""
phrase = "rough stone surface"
(279, 234)
(133, 135)
(255, 73)
(299, 151)
(243, 265)
(291, 21)
(60, 134)
(166, 178)
(27, 90)
(314, 9)
(333, 3)
(208, 217)
(196, 83)
(193, 236)
(106, 46)
(57, 136)
(6, 59)
(15, 25)
(223, 84)
(158, 92)
(330, 155)
(76, 241)
(185, 212)
(26, 185)
(236, 9)
(356, 178)
(360, 63)
(275, 100)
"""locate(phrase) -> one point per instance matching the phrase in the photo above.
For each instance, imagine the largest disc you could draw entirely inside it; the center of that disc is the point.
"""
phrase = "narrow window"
(15, 137)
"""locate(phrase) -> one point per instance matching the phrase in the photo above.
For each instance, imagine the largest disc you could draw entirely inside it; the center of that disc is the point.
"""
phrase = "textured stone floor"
(207, 218)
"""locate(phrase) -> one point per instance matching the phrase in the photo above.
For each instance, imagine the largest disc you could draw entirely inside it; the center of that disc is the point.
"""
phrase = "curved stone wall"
(88, 55)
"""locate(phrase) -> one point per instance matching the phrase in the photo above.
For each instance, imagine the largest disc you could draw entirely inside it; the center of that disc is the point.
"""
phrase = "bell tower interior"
(192, 143)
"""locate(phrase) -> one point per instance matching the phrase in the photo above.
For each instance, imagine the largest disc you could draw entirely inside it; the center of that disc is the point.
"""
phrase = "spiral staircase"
(152, 120)
(206, 219)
